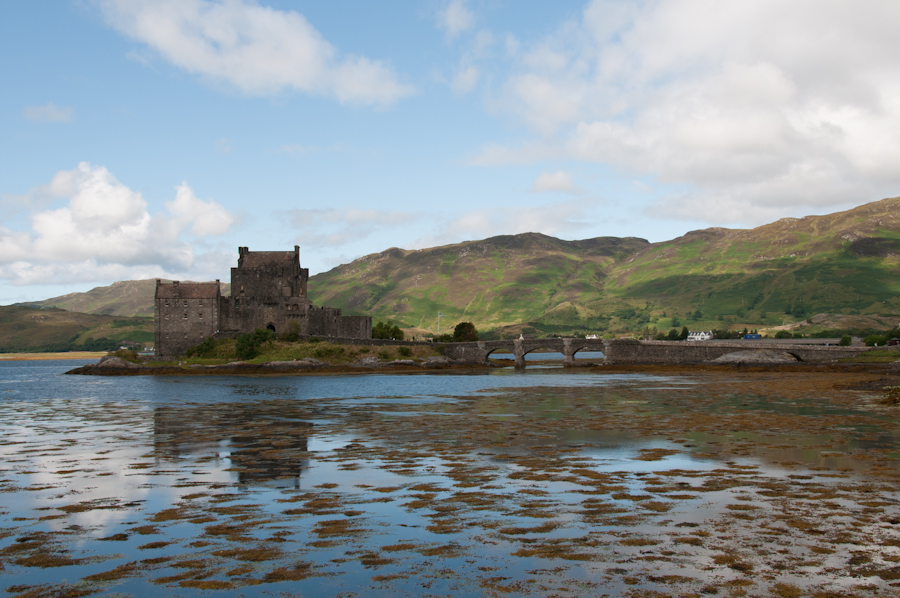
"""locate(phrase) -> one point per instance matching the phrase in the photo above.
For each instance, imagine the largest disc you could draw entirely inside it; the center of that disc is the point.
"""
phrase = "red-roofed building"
(268, 290)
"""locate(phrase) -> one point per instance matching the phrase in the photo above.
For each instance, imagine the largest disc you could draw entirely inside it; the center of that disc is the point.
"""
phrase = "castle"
(268, 290)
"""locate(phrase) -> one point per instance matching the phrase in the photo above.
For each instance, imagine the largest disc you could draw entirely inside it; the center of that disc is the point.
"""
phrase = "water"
(539, 482)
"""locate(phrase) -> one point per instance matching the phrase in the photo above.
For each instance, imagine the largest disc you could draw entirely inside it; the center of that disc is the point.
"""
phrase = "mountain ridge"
(845, 262)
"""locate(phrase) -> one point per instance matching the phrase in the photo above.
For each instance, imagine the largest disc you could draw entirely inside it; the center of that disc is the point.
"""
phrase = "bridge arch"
(504, 351)
(587, 349)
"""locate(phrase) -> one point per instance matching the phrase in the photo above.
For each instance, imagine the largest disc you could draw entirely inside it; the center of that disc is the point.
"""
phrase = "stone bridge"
(644, 352)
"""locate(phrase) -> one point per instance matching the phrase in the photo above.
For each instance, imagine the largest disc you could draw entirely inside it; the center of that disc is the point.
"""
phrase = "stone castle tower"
(268, 290)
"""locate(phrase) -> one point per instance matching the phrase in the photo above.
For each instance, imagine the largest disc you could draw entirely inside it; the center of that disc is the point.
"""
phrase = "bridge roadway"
(644, 352)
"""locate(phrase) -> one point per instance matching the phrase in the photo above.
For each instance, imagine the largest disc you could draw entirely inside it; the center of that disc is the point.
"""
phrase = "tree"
(783, 334)
(465, 332)
(387, 330)
(673, 335)
(846, 340)
(684, 333)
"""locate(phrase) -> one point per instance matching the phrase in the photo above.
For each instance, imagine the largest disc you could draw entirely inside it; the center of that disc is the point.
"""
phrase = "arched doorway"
(270, 326)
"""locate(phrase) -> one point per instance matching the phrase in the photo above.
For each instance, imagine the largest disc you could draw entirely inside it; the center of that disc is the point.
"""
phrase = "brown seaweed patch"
(539, 529)
(657, 454)
(153, 545)
(398, 547)
(445, 551)
(638, 542)
(47, 559)
(258, 554)
(54, 591)
(206, 584)
(297, 572)
(120, 572)
(336, 527)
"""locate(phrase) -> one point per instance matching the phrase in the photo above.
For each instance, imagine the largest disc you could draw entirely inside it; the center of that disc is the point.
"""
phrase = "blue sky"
(144, 139)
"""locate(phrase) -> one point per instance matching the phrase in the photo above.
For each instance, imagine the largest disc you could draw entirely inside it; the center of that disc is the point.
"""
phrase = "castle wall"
(186, 314)
(328, 321)
(244, 314)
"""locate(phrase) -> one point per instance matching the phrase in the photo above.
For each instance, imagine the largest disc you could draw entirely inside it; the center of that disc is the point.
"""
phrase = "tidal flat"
(546, 482)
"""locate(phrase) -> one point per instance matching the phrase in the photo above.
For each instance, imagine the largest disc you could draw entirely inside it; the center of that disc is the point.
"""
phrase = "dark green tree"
(673, 335)
(387, 330)
(684, 333)
(465, 332)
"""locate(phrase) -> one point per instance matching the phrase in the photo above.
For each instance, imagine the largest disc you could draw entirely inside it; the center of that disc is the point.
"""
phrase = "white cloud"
(334, 227)
(757, 108)
(204, 217)
(105, 231)
(48, 113)
(554, 181)
(561, 218)
(455, 18)
(466, 79)
(256, 49)
(224, 145)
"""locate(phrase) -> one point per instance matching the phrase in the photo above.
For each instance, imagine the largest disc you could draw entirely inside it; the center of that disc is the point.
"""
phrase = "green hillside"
(498, 282)
(24, 329)
(843, 263)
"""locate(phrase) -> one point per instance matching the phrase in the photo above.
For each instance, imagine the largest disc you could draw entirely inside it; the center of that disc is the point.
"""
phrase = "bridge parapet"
(645, 352)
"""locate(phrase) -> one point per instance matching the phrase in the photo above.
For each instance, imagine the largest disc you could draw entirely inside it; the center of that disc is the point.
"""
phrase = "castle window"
(167, 303)
(201, 315)
(201, 302)
(185, 315)
(185, 303)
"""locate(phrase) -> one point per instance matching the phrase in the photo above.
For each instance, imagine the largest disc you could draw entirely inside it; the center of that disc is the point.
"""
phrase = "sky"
(152, 138)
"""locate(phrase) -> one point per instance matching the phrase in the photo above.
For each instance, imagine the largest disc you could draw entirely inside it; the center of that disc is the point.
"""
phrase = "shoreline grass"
(327, 352)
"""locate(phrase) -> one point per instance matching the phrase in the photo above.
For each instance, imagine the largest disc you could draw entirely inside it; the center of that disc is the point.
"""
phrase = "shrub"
(384, 355)
(127, 354)
(404, 351)
(783, 334)
(204, 349)
(291, 332)
(846, 340)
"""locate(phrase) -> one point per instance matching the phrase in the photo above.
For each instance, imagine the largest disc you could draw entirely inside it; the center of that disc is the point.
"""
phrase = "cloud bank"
(105, 232)
(755, 108)
(256, 49)
(49, 113)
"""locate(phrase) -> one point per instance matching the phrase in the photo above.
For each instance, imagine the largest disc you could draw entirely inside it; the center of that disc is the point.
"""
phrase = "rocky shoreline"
(115, 366)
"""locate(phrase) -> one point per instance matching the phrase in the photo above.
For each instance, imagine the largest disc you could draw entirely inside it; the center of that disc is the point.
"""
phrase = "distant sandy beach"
(45, 356)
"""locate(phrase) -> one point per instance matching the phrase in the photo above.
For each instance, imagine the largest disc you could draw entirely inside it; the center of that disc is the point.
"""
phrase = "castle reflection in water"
(254, 444)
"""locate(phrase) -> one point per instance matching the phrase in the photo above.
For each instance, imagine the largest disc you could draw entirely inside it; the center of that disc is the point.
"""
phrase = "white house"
(700, 336)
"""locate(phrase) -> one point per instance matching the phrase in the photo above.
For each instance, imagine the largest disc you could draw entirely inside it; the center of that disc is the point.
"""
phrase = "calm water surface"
(542, 482)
